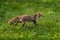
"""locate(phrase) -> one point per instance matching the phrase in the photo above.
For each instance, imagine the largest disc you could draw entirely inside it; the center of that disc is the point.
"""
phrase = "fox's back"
(26, 18)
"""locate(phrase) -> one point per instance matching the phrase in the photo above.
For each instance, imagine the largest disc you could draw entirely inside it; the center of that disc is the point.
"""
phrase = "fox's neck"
(35, 17)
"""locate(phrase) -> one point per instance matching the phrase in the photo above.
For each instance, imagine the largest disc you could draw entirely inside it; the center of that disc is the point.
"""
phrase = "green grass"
(47, 28)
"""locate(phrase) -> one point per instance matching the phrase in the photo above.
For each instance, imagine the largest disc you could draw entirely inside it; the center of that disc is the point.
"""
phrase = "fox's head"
(37, 15)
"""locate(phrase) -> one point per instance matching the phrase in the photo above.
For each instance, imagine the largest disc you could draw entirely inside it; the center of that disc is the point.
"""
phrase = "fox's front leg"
(35, 22)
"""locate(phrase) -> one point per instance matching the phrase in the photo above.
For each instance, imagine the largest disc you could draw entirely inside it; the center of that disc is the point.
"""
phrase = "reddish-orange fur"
(22, 19)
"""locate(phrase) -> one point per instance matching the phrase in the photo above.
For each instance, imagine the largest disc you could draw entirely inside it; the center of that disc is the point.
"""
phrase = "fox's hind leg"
(16, 23)
(23, 23)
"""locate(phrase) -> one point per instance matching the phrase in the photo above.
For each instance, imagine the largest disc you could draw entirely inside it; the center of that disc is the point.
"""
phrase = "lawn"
(47, 28)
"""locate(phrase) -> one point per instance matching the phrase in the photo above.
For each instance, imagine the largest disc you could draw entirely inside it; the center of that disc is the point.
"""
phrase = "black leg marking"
(34, 22)
(16, 23)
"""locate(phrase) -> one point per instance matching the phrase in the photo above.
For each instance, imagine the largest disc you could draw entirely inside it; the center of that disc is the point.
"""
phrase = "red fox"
(24, 18)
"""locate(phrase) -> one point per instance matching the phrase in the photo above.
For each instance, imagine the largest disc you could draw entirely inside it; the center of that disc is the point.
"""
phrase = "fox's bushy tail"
(13, 20)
